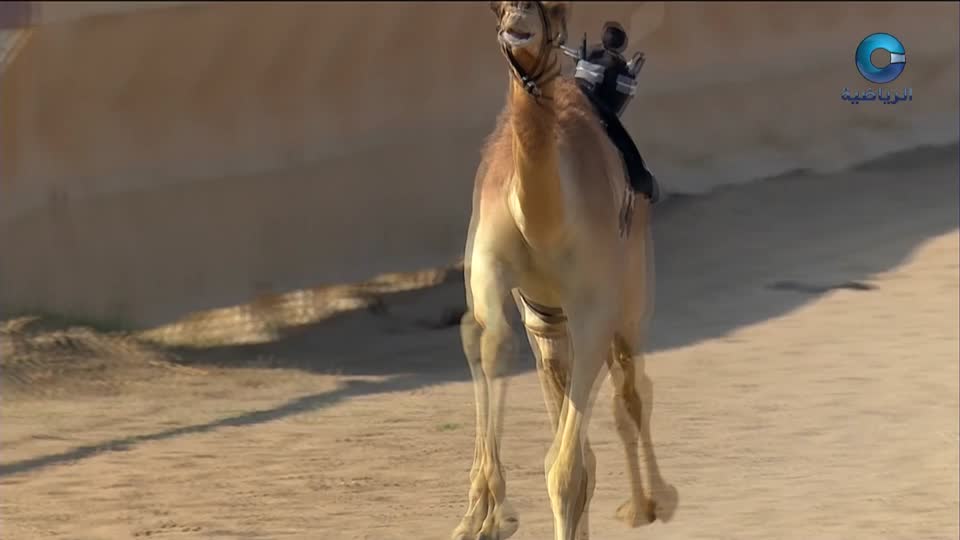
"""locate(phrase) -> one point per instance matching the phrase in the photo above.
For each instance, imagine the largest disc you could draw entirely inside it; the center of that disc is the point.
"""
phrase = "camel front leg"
(572, 469)
(477, 499)
(488, 340)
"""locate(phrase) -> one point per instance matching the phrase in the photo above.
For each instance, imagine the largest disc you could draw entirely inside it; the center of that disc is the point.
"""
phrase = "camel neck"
(533, 118)
(536, 172)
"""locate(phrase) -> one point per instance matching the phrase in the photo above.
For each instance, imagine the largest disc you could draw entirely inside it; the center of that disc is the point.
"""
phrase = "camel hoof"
(635, 515)
(666, 503)
(500, 524)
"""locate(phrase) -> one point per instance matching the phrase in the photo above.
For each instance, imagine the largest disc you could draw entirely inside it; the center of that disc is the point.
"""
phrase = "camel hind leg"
(632, 407)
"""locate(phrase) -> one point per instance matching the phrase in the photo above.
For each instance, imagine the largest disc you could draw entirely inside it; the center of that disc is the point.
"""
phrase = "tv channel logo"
(888, 44)
(892, 46)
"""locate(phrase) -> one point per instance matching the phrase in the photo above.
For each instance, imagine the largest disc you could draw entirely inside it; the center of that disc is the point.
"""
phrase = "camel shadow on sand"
(730, 259)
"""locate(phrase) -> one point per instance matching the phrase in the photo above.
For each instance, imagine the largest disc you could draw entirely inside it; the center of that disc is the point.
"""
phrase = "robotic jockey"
(610, 82)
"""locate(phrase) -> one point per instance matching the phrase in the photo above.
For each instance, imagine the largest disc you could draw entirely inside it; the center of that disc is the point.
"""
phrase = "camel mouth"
(516, 38)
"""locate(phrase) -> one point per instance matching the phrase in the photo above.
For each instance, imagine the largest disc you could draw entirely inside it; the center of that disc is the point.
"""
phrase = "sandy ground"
(806, 386)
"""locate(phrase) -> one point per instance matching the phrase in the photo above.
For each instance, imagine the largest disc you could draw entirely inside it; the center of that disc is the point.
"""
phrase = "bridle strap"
(543, 68)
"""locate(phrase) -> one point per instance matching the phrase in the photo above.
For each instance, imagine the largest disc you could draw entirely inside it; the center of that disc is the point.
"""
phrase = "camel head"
(531, 31)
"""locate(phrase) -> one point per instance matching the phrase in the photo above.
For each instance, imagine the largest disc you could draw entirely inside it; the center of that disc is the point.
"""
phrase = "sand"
(806, 386)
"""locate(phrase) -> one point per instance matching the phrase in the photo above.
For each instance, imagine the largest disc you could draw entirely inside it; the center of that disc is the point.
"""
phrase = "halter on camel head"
(603, 75)
(543, 69)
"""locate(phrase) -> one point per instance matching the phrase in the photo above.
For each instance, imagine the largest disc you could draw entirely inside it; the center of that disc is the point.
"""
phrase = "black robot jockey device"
(610, 81)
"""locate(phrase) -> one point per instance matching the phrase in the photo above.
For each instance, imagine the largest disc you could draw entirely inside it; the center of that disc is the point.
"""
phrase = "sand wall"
(158, 162)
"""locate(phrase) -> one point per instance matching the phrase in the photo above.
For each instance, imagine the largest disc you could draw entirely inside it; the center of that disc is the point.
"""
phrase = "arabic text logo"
(887, 43)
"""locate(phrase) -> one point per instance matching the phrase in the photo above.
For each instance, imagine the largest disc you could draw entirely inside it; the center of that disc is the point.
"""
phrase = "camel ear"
(558, 11)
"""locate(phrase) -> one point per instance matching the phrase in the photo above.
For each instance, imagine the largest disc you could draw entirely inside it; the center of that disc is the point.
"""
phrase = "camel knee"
(485, 345)
(628, 405)
(568, 485)
(496, 347)
(626, 424)
(623, 420)
(470, 335)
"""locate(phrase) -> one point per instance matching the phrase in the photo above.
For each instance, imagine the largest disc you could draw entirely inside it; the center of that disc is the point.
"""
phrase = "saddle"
(609, 81)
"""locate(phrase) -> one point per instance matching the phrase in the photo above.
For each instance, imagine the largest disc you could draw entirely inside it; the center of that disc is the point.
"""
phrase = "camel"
(546, 232)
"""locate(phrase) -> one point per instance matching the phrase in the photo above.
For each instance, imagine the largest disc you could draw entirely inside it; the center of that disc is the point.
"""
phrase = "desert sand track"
(804, 361)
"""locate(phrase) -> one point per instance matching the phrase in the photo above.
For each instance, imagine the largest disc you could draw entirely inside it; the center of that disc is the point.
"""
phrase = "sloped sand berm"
(189, 158)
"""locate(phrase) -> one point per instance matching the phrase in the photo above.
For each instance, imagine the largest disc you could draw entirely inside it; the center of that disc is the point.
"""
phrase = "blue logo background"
(885, 42)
